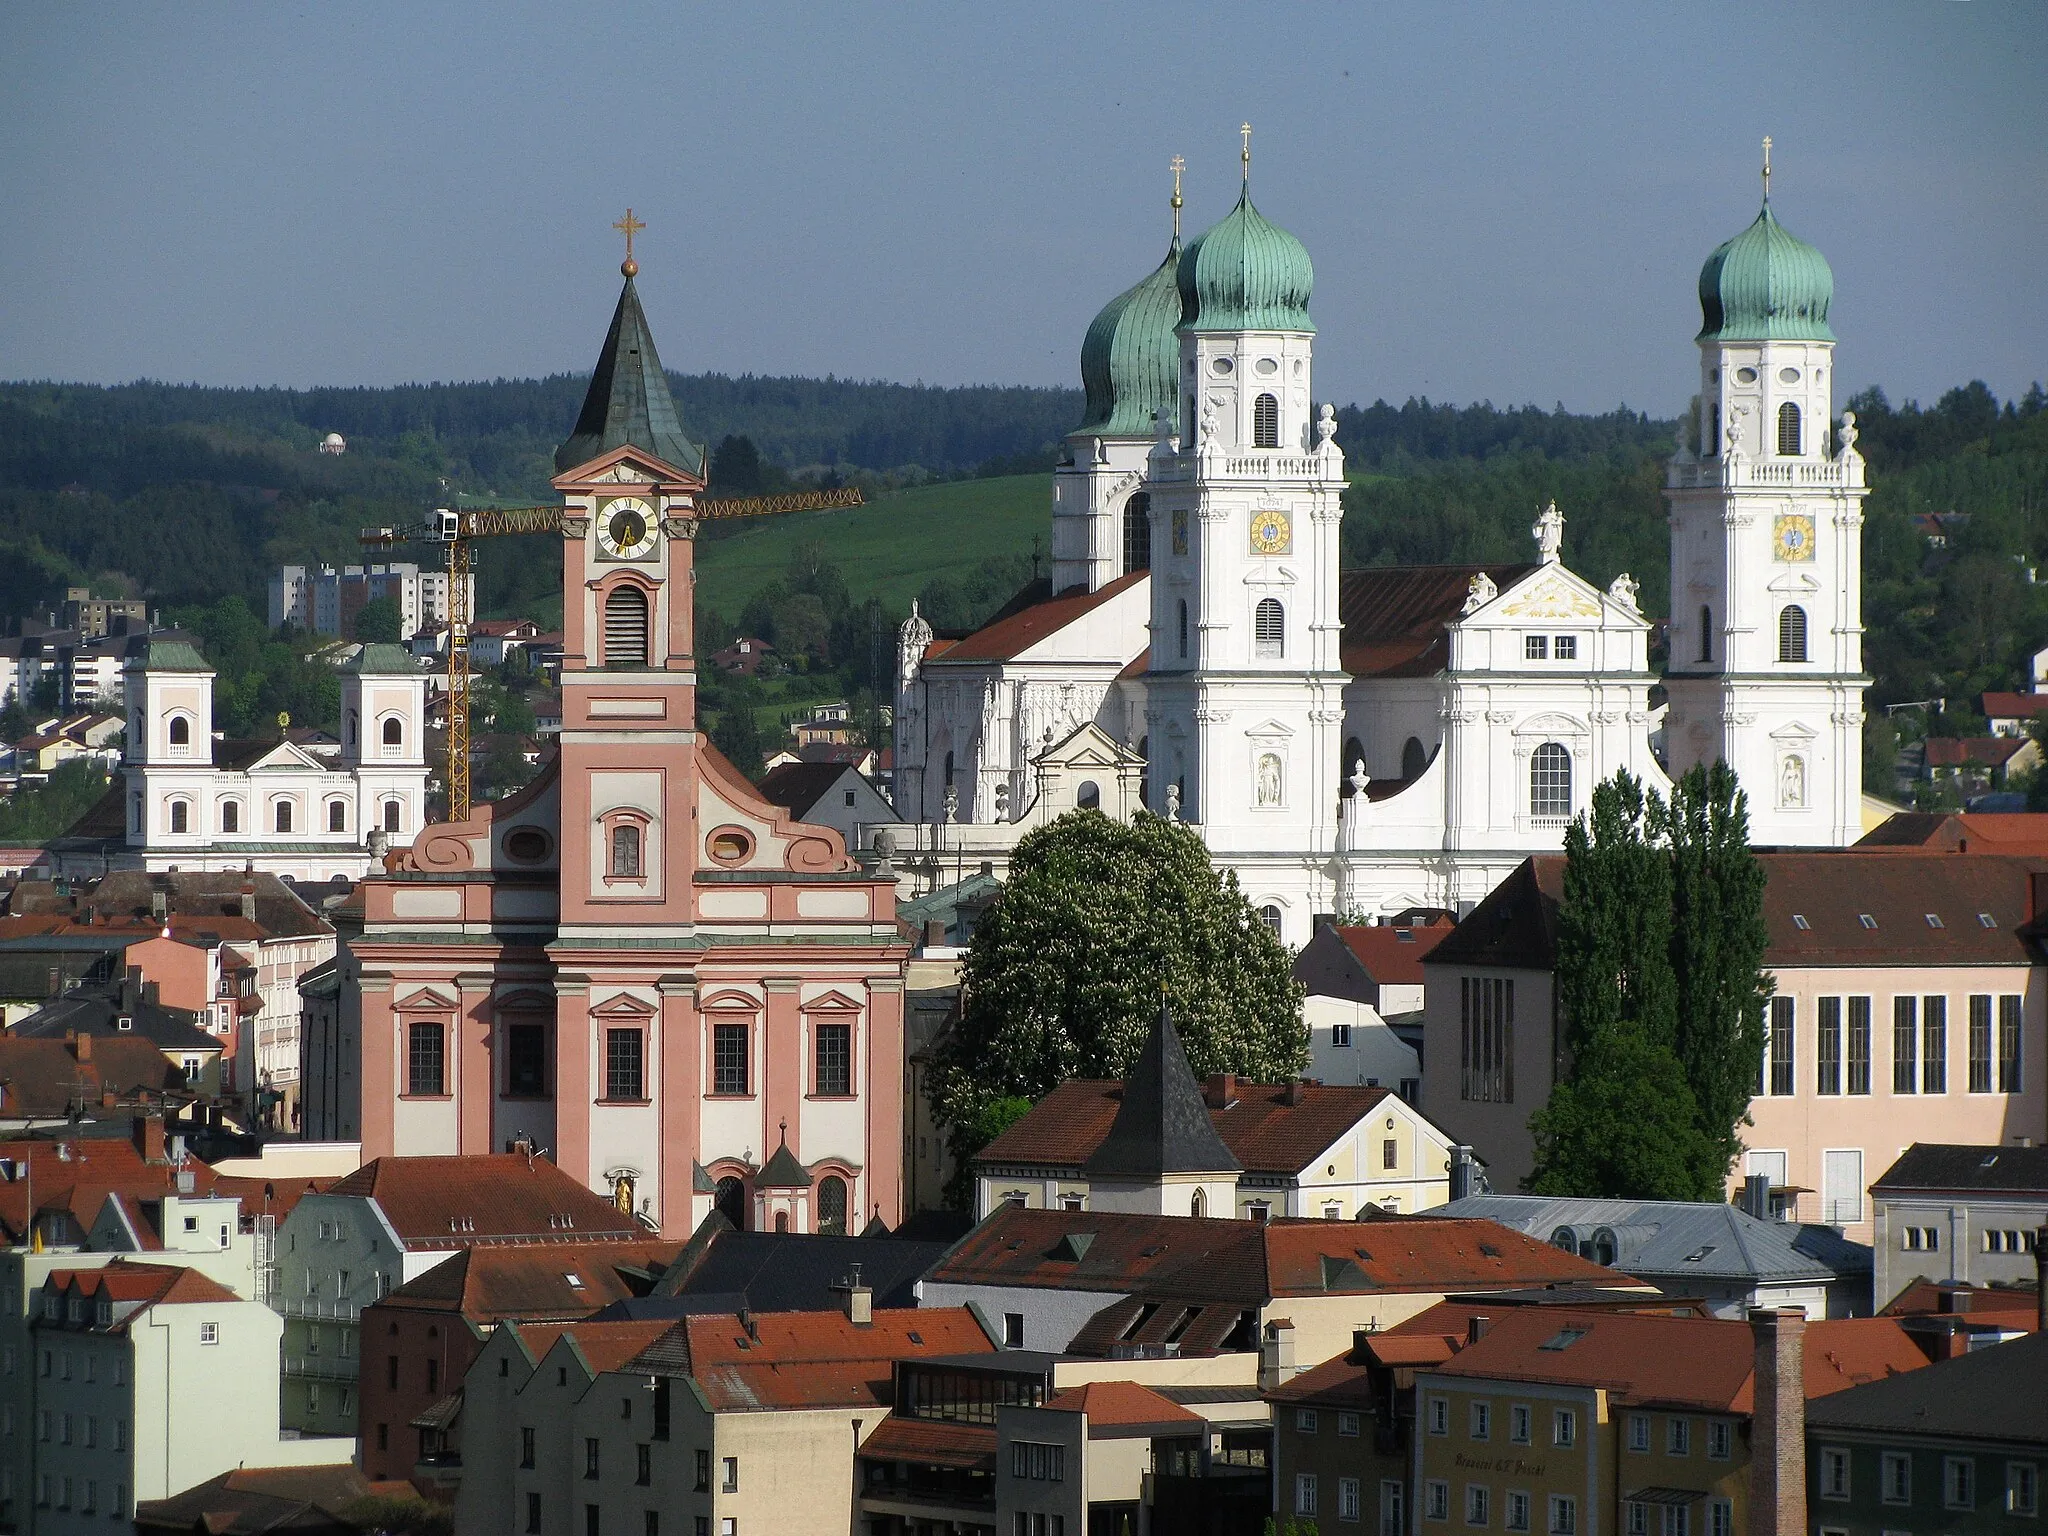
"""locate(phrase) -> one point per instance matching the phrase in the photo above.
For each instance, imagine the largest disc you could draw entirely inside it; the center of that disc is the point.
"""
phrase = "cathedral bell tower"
(1766, 664)
(629, 480)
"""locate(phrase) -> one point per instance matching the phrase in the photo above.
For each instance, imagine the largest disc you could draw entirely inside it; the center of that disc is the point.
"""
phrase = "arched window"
(949, 769)
(1198, 1202)
(626, 852)
(1714, 446)
(391, 815)
(394, 732)
(351, 727)
(782, 1221)
(181, 816)
(1565, 1238)
(1604, 1246)
(1182, 613)
(625, 628)
(1269, 629)
(281, 816)
(1270, 916)
(1266, 422)
(832, 1205)
(1414, 758)
(181, 731)
(731, 1201)
(230, 816)
(1089, 795)
(337, 816)
(1706, 633)
(1138, 533)
(1550, 781)
(1792, 633)
(1788, 430)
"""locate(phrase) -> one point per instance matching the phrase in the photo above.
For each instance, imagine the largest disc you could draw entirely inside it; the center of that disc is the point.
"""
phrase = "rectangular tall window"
(1841, 1192)
(1934, 1045)
(426, 1058)
(1905, 1045)
(2011, 1015)
(1393, 1509)
(625, 1074)
(1564, 1515)
(835, 1059)
(1858, 1045)
(526, 1061)
(1827, 1033)
(1487, 1039)
(1783, 1038)
(1980, 1042)
(729, 1058)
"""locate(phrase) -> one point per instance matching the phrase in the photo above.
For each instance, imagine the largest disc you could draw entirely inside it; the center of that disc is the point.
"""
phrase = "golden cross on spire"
(1246, 156)
(1767, 167)
(1179, 165)
(629, 227)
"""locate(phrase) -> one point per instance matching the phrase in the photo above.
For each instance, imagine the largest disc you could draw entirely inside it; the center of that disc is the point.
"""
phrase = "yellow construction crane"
(457, 529)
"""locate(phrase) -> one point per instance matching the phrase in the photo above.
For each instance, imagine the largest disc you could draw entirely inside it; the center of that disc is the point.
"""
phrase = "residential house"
(97, 617)
(1984, 761)
(257, 1501)
(493, 641)
(865, 761)
(130, 1396)
(830, 795)
(744, 656)
(1988, 1314)
(131, 1006)
(1909, 1003)
(83, 1081)
(732, 1423)
(1160, 1142)
(1960, 1447)
(1117, 1284)
(2022, 832)
(1363, 1008)
(1717, 1254)
(342, 1248)
(2010, 714)
(1966, 1215)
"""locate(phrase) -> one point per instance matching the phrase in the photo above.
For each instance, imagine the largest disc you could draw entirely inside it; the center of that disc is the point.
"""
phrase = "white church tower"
(1766, 663)
(1245, 689)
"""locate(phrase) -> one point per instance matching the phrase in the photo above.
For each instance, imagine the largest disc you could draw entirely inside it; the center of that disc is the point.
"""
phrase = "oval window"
(1221, 366)
(729, 846)
(1788, 375)
(529, 845)
(1745, 375)
(1268, 366)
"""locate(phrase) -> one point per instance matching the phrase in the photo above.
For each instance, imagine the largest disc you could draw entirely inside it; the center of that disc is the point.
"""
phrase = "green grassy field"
(889, 548)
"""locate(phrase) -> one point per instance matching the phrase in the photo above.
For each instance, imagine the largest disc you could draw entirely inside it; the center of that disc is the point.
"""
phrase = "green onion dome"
(1130, 358)
(1245, 274)
(1766, 285)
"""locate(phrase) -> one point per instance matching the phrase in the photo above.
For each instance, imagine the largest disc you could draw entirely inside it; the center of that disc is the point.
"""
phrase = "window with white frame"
(1550, 782)
(1439, 1416)
(1347, 1498)
(1518, 1423)
(1959, 1482)
(1436, 1494)
(1564, 1428)
(1304, 1493)
(1895, 1477)
(1515, 1512)
(1564, 1515)
(1478, 1504)
(1639, 1431)
(1834, 1472)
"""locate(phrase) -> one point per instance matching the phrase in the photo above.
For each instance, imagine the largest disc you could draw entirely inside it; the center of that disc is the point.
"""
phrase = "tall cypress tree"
(1718, 939)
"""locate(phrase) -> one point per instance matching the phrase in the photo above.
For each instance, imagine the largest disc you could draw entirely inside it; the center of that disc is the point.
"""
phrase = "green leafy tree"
(39, 814)
(379, 621)
(981, 1127)
(1064, 973)
(1622, 1124)
(1718, 939)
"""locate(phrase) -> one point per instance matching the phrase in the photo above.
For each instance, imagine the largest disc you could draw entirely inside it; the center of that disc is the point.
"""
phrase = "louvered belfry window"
(625, 628)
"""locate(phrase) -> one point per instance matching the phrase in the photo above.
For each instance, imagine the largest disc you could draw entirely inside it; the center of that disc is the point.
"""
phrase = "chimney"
(159, 906)
(1295, 1091)
(249, 900)
(935, 933)
(55, 982)
(148, 1136)
(1940, 1337)
(1777, 1475)
(1276, 1355)
(81, 1048)
(131, 989)
(1361, 1341)
(1221, 1091)
(1476, 1326)
(2041, 1280)
(1461, 1172)
(860, 1301)
(1756, 1196)
(149, 993)
(1953, 1299)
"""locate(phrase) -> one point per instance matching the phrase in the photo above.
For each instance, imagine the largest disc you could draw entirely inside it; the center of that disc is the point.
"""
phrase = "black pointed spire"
(1162, 1126)
(629, 399)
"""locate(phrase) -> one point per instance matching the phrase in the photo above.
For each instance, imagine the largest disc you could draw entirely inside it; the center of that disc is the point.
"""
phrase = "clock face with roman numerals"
(625, 528)
(1272, 534)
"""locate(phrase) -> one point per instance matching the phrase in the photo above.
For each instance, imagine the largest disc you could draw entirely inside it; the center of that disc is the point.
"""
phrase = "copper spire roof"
(629, 400)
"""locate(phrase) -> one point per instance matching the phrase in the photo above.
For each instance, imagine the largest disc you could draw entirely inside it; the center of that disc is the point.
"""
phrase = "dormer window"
(1866, 919)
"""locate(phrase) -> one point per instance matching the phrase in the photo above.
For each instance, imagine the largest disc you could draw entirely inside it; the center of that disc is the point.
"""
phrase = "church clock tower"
(1766, 665)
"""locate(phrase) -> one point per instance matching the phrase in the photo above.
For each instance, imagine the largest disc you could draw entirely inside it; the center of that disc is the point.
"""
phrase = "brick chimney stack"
(148, 1135)
(1777, 1464)
(1221, 1090)
(81, 1048)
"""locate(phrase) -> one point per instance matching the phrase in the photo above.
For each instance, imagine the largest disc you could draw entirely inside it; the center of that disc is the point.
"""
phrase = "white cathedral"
(1362, 742)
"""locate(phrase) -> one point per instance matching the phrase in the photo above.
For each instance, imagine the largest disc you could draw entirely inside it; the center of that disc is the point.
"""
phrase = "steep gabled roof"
(1392, 955)
(1033, 615)
(453, 1202)
(1397, 618)
(555, 1280)
(628, 402)
(1162, 1126)
(1515, 927)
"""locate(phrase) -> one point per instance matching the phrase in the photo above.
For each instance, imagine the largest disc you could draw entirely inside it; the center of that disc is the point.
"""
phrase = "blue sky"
(1503, 200)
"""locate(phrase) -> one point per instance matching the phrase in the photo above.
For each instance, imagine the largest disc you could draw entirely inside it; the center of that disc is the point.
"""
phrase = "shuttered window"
(625, 628)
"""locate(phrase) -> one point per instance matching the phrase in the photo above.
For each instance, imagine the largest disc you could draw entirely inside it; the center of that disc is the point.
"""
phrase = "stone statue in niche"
(1792, 782)
(1269, 779)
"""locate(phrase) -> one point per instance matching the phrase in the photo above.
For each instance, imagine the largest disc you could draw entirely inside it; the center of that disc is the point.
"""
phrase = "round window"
(729, 845)
(1221, 366)
(529, 845)
(1788, 375)
(1745, 375)
(1267, 367)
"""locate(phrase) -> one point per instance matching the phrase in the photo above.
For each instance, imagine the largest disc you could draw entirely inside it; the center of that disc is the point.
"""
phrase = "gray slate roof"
(1935, 1165)
(629, 399)
(1162, 1126)
(1658, 1239)
(1988, 1394)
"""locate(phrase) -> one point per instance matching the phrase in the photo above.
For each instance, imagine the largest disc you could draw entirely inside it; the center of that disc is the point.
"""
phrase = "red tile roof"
(1393, 955)
(1018, 628)
(2018, 1310)
(603, 1346)
(2015, 706)
(1397, 618)
(932, 1443)
(1420, 1254)
(1955, 751)
(2022, 832)
(142, 1285)
(1125, 1405)
(797, 1360)
(529, 1281)
(1263, 1132)
(453, 1202)
(73, 1178)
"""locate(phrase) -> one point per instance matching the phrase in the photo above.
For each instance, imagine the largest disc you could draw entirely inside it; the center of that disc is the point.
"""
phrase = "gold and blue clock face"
(1272, 534)
(1792, 536)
